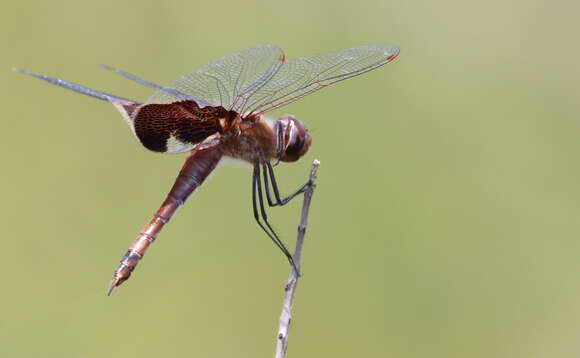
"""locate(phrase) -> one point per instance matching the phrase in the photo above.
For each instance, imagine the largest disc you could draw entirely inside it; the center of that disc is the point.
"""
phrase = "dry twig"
(290, 288)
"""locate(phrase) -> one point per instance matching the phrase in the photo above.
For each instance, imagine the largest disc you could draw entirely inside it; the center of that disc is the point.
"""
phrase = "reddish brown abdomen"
(160, 126)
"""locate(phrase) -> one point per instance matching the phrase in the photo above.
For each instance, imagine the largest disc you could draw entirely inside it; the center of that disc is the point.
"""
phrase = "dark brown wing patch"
(184, 121)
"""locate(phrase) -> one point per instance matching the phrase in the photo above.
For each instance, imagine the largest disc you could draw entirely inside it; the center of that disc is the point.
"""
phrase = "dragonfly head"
(293, 137)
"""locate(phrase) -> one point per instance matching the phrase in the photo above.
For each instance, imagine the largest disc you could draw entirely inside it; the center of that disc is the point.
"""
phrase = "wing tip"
(30, 73)
(107, 67)
(22, 70)
(393, 52)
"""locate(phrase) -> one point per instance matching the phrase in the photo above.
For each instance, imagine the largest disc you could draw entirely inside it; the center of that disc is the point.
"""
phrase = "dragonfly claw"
(122, 273)
(112, 286)
(115, 282)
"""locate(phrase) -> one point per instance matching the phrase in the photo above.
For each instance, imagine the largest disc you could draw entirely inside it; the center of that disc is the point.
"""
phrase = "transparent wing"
(171, 92)
(228, 81)
(77, 88)
(303, 76)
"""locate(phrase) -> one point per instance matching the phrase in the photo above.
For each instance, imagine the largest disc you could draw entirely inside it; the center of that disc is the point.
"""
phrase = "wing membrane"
(77, 88)
(228, 81)
(303, 76)
(179, 95)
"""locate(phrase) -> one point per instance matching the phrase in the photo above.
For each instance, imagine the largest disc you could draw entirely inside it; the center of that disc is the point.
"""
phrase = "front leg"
(268, 172)
(257, 199)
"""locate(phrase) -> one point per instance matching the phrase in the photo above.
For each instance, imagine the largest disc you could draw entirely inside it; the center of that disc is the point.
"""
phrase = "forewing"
(303, 76)
(228, 81)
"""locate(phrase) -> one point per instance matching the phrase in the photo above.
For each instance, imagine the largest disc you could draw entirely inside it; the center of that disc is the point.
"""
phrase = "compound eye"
(296, 139)
(294, 148)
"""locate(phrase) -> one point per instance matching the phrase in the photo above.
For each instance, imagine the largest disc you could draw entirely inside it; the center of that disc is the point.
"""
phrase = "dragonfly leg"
(257, 198)
(269, 176)
(267, 187)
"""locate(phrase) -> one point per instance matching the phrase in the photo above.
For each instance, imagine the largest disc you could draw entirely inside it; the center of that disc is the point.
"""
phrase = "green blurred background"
(446, 222)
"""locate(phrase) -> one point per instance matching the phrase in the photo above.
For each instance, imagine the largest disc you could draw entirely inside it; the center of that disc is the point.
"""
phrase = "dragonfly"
(218, 111)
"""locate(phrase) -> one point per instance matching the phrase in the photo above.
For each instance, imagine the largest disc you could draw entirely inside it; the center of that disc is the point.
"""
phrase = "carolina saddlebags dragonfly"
(216, 112)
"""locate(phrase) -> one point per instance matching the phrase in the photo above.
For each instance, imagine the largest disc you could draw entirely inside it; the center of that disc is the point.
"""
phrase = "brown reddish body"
(216, 111)
(212, 132)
